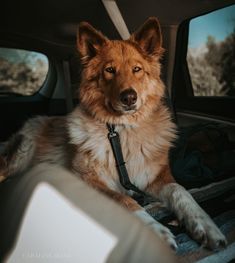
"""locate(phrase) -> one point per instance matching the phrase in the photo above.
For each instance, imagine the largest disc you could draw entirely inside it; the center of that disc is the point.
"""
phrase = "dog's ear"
(89, 40)
(149, 37)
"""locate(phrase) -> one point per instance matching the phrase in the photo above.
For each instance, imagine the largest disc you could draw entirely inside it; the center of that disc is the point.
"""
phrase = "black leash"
(141, 197)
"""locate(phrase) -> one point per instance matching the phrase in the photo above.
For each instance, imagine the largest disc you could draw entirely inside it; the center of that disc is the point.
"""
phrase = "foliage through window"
(21, 72)
(211, 53)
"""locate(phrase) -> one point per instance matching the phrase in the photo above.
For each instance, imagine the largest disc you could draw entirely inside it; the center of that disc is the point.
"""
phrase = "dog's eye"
(136, 69)
(110, 70)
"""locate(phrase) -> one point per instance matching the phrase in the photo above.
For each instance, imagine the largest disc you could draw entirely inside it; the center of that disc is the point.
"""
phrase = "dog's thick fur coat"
(120, 85)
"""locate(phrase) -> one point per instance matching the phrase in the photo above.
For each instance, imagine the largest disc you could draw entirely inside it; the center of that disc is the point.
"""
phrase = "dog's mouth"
(122, 109)
(130, 109)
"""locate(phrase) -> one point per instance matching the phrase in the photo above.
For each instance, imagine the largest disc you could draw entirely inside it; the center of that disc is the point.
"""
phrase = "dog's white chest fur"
(138, 155)
(139, 151)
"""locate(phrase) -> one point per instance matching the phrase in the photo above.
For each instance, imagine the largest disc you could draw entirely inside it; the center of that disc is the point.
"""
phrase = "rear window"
(22, 72)
(211, 53)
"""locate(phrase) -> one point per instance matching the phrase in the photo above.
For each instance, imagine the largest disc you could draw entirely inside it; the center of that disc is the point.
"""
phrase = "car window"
(22, 72)
(211, 53)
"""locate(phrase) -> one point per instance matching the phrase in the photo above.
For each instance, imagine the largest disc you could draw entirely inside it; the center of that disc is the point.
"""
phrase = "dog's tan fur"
(79, 141)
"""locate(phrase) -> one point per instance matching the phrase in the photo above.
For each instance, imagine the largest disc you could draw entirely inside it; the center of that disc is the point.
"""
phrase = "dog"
(120, 85)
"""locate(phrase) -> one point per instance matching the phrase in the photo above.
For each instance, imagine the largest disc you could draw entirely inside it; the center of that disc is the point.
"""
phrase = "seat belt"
(116, 17)
(141, 197)
(67, 87)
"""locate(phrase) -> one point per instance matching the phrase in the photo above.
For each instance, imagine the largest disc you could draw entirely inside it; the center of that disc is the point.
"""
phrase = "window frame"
(219, 107)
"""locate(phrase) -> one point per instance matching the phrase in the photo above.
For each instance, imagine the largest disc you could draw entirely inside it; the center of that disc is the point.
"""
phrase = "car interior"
(40, 75)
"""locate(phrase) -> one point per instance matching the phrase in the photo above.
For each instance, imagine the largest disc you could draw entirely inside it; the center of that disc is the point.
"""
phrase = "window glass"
(211, 53)
(21, 72)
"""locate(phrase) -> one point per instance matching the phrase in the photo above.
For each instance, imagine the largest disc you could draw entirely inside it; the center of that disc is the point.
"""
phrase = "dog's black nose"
(128, 97)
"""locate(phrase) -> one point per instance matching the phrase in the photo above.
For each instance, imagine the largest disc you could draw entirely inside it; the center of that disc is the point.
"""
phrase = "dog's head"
(120, 79)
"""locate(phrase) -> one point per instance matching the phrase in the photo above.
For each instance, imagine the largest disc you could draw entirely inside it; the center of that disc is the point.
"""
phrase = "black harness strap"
(141, 197)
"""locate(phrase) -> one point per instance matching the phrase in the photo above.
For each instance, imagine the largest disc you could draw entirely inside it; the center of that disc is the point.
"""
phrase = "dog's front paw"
(162, 231)
(204, 230)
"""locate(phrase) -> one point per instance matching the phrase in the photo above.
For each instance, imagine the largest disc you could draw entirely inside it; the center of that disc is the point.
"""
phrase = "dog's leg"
(126, 201)
(8, 156)
(3, 166)
(16, 155)
(163, 232)
(178, 200)
(129, 203)
(18, 152)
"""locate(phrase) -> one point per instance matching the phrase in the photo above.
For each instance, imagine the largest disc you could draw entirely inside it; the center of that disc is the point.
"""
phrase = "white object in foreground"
(55, 230)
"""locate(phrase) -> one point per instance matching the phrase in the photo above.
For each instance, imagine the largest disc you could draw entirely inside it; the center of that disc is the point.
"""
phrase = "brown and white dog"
(120, 85)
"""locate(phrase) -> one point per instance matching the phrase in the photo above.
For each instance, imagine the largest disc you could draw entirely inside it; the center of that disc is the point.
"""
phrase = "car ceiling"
(53, 23)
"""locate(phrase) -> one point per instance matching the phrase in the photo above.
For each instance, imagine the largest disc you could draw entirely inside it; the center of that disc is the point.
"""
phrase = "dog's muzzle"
(126, 103)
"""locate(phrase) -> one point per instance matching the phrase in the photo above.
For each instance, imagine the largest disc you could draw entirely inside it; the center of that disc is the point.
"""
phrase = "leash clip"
(112, 133)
